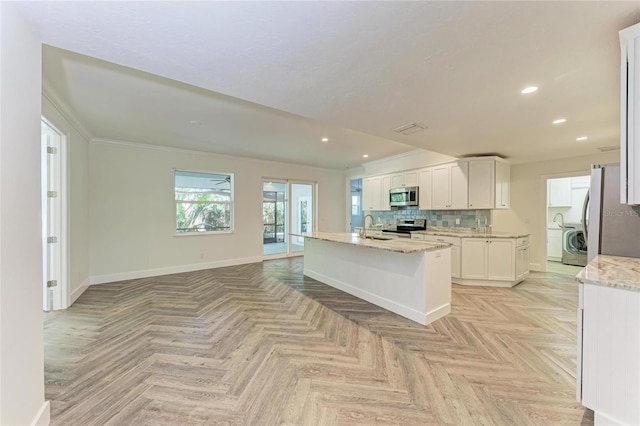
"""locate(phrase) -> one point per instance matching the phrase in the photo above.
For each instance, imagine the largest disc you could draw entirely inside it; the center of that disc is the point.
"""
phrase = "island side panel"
(414, 285)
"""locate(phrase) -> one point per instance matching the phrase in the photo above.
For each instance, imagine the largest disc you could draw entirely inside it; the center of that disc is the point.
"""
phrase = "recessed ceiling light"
(559, 121)
(365, 156)
(325, 139)
(582, 138)
(194, 122)
(528, 90)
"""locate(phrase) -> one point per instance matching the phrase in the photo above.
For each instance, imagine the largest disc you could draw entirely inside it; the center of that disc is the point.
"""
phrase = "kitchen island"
(409, 278)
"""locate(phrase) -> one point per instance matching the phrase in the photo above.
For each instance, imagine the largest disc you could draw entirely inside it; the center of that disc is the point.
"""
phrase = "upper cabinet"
(559, 192)
(449, 186)
(488, 184)
(425, 182)
(409, 178)
(503, 185)
(375, 193)
(630, 115)
(474, 183)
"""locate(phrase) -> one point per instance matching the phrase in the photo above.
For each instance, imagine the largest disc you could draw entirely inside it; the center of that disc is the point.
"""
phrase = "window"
(204, 202)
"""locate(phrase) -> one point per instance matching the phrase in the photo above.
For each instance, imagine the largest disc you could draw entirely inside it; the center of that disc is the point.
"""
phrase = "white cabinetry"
(559, 192)
(522, 258)
(409, 178)
(455, 249)
(450, 187)
(375, 193)
(481, 184)
(488, 184)
(425, 182)
(385, 186)
(630, 115)
(475, 183)
(503, 185)
(608, 376)
(554, 244)
(371, 193)
(500, 262)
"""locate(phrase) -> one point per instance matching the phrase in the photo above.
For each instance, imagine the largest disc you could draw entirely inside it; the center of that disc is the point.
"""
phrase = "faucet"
(561, 218)
(364, 225)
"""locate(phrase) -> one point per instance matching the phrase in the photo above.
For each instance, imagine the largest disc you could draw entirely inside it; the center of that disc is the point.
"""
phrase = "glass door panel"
(356, 204)
(302, 213)
(274, 218)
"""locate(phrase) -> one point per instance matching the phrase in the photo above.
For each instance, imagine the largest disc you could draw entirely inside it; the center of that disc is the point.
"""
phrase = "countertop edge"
(397, 245)
(612, 271)
(472, 234)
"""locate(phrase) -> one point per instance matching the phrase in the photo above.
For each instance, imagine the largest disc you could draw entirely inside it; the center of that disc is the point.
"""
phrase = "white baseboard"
(486, 283)
(78, 291)
(43, 417)
(535, 267)
(133, 275)
(423, 318)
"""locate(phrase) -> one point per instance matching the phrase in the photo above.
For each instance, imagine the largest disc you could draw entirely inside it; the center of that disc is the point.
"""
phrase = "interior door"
(52, 231)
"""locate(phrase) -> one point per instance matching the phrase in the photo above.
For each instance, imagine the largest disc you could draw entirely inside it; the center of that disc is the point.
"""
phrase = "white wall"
(77, 196)
(133, 213)
(528, 210)
(21, 331)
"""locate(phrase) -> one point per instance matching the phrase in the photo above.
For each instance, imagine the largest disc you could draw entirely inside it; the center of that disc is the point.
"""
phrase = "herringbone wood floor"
(261, 344)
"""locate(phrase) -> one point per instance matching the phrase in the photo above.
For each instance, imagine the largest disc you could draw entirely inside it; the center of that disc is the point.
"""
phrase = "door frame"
(348, 199)
(61, 294)
(288, 221)
(545, 186)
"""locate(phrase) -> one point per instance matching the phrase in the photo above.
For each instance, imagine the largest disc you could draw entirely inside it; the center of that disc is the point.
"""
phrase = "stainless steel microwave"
(405, 196)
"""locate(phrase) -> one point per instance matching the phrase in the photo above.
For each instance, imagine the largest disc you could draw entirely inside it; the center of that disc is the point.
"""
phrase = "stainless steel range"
(404, 227)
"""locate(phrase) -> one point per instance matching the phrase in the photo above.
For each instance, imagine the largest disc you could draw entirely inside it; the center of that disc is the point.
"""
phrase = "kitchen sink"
(374, 237)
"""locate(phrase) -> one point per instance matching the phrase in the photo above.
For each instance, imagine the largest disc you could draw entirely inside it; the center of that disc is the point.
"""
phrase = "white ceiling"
(455, 67)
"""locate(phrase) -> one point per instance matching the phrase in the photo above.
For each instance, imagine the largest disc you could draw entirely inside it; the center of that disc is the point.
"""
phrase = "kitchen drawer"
(522, 241)
(455, 241)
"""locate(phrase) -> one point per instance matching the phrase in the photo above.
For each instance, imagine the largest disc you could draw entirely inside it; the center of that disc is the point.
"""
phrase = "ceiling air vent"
(609, 148)
(408, 129)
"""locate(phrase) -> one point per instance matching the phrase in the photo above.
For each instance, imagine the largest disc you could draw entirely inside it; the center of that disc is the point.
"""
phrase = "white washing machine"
(574, 245)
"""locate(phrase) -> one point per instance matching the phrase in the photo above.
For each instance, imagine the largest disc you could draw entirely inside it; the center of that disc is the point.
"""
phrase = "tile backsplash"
(440, 218)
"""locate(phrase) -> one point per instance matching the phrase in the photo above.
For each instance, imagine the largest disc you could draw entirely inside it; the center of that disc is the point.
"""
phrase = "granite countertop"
(399, 245)
(467, 233)
(612, 271)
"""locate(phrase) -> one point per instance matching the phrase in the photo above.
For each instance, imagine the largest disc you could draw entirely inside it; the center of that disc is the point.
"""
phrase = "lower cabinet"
(496, 262)
(502, 262)
(608, 358)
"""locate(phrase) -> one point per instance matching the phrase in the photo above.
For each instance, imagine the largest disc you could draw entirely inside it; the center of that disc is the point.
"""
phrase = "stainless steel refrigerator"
(612, 228)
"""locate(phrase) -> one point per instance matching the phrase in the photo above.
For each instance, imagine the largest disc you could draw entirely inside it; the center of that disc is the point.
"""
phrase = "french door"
(287, 207)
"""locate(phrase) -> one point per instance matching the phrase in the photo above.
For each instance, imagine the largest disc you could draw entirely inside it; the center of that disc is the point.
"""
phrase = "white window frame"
(231, 204)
